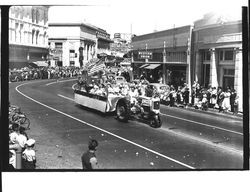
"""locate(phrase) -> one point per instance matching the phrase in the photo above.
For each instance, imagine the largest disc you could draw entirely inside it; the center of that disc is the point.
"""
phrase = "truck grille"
(156, 105)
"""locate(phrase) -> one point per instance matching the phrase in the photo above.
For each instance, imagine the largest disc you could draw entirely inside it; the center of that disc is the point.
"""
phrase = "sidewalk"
(211, 111)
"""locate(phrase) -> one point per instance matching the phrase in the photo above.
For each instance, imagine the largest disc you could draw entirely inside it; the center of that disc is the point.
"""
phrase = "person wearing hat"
(29, 155)
(22, 137)
(14, 134)
(89, 160)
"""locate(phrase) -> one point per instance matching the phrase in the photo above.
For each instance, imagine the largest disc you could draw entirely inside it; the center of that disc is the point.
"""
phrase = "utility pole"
(164, 62)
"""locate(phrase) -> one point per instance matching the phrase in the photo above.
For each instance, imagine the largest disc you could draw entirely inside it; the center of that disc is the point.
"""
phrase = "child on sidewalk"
(29, 155)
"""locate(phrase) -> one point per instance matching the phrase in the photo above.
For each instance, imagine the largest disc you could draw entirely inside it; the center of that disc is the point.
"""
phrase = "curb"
(210, 111)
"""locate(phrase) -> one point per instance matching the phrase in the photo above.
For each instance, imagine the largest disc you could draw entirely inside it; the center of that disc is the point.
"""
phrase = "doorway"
(228, 81)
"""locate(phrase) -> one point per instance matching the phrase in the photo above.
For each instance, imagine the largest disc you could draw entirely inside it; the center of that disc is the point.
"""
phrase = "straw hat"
(30, 142)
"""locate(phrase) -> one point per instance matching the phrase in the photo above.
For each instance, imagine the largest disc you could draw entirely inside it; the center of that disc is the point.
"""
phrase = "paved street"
(188, 139)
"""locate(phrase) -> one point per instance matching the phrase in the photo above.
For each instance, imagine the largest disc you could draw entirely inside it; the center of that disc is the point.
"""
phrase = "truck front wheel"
(155, 121)
(122, 111)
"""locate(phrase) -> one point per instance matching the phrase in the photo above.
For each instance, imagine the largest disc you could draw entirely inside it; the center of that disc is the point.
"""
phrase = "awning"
(144, 65)
(41, 63)
(152, 66)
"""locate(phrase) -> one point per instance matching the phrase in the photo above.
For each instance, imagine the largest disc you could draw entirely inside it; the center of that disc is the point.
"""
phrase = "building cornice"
(77, 24)
(28, 46)
(216, 25)
(164, 33)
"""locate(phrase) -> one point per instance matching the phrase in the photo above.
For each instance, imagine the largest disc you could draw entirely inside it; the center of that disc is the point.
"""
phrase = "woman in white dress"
(226, 102)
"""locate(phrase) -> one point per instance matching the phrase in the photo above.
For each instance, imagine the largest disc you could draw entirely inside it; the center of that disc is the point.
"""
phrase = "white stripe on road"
(59, 81)
(65, 97)
(207, 125)
(159, 154)
(190, 137)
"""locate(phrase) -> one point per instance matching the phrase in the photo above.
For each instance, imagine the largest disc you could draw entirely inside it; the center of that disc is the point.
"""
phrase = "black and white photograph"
(125, 86)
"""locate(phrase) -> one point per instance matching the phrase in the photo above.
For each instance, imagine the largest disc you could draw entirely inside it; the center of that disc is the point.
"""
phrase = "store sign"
(102, 35)
(145, 55)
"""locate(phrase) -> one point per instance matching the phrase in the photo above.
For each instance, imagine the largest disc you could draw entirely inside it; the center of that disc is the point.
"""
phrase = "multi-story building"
(74, 44)
(28, 36)
(163, 54)
(217, 52)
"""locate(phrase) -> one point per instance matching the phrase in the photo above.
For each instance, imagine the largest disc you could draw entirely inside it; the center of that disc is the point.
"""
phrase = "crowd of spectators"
(225, 100)
(203, 98)
(43, 73)
(20, 145)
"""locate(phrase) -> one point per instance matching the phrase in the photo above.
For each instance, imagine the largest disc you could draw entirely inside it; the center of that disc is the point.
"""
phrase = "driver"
(133, 94)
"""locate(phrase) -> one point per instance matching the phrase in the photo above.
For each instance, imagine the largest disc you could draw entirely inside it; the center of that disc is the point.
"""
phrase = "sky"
(136, 16)
(142, 17)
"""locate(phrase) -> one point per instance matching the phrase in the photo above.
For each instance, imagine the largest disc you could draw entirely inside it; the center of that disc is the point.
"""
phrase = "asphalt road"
(187, 139)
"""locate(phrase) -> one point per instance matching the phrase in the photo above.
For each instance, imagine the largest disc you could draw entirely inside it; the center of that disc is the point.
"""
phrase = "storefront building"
(163, 55)
(218, 53)
(28, 36)
(74, 44)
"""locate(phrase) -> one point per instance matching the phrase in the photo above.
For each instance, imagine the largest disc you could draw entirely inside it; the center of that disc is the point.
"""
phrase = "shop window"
(21, 33)
(221, 55)
(33, 15)
(226, 55)
(229, 55)
(37, 16)
(45, 17)
(58, 45)
(16, 32)
(206, 75)
(37, 37)
(229, 72)
(33, 36)
(206, 56)
(44, 38)
(72, 57)
(16, 11)
(21, 12)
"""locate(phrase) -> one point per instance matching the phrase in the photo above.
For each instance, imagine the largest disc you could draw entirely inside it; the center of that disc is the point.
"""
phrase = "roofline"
(172, 29)
(237, 22)
(77, 24)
